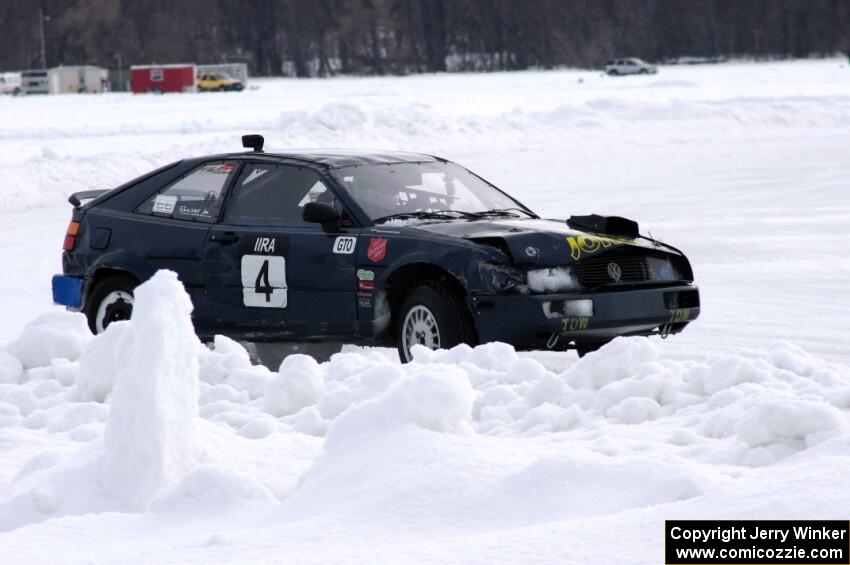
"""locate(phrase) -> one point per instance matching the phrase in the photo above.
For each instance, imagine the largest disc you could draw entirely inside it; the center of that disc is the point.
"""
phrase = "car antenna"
(254, 142)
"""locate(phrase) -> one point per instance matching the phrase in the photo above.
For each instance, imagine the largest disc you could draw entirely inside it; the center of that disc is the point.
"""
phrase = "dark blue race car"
(372, 247)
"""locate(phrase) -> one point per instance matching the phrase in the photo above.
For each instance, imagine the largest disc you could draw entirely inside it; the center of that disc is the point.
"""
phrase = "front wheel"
(433, 316)
(111, 300)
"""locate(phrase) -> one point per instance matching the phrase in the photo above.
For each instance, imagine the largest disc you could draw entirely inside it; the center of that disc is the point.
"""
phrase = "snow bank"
(458, 440)
(128, 136)
(733, 406)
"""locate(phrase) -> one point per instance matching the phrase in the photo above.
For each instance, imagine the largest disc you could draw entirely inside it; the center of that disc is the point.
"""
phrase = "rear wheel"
(111, 300)
(433, 316)
(585, 347)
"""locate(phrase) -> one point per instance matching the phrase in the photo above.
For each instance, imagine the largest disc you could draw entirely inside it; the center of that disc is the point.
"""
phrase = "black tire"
(585, 347)
(119, 308)
(453, 321)
(613, 73)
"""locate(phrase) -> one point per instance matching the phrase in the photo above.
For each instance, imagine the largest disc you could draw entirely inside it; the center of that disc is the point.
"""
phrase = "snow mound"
(149, 438)
(149, 441)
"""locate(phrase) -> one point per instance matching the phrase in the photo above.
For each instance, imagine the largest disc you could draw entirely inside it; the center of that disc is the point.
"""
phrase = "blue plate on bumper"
(68, 291)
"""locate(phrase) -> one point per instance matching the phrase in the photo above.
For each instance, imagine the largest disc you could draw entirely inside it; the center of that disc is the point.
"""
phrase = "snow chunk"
(615, 361)
(298, 384)
(11, 369)
(150, 435)
(634, 410)
(788, 420)
(733, 370)
(556, 279)
(440, 402)
(52, 335)
(101, 362)
(213, 487)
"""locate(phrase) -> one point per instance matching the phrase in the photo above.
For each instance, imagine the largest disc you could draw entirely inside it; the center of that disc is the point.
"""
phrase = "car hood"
(538, 241)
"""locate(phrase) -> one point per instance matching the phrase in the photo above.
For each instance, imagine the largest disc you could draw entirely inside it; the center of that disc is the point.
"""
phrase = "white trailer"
(239, 71)
(75, 79)
(34, 81)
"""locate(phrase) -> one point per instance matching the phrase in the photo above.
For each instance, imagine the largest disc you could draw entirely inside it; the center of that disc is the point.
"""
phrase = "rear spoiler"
(77, 198)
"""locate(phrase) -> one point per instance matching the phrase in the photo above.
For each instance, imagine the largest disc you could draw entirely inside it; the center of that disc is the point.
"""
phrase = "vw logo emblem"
(614, 271)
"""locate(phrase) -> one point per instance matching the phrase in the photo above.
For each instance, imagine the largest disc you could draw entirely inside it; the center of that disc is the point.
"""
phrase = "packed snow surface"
(144, 445)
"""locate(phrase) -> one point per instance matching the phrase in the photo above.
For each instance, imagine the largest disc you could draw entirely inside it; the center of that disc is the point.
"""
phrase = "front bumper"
(529, 321)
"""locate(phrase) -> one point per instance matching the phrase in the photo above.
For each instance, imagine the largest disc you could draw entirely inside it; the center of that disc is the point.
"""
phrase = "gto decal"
(377, 249)
(574, 324)
(344, 245)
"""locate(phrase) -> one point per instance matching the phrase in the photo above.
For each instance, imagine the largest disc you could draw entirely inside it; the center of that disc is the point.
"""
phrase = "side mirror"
(319, 213)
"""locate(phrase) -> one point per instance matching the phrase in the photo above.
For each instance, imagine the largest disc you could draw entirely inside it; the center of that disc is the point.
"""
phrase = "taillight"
(71, 236)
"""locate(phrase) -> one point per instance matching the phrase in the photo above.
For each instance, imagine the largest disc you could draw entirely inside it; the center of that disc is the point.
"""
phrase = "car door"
(168, 230)
(269, 274)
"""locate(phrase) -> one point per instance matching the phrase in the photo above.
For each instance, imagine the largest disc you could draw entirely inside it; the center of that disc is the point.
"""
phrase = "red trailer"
(162, 78)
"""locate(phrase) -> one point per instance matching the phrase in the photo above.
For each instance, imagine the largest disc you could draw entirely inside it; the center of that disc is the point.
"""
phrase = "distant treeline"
(326, 37)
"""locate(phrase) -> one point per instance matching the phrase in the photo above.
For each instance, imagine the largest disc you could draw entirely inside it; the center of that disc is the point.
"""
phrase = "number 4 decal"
(264, 281)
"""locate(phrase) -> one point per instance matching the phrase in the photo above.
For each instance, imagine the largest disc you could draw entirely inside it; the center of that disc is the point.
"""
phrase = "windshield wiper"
(423, 214)
(503, 212)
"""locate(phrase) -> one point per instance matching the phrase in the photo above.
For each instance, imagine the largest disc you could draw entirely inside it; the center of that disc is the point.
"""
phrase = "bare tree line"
(326, 37)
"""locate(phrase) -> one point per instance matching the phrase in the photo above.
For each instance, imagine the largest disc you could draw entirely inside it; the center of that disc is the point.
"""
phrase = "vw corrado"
(374, 247)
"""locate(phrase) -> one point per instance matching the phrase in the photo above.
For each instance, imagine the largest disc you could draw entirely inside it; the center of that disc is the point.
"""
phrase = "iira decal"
(264, 245)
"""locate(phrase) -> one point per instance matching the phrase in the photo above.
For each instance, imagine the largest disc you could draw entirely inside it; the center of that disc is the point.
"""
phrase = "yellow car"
(218, 82)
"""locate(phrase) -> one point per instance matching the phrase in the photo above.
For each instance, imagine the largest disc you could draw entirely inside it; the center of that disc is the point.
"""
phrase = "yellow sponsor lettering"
(574, 324)
(680, 315)
(588, 244)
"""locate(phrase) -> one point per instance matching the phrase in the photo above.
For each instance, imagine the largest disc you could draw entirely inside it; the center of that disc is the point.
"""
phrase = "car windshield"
(428, 190)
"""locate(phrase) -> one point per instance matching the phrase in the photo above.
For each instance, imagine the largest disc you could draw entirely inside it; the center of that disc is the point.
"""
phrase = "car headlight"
(502, 277)
(673, 268)
(661, 269)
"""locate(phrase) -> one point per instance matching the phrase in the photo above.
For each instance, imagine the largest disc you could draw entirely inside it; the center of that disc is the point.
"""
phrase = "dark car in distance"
(367, 247)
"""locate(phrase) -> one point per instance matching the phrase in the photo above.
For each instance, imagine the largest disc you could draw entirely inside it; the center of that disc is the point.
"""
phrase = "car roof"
(335, 158)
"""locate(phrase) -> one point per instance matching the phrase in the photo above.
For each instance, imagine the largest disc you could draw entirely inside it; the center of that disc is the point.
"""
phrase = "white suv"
(10, 83)
(629, 67)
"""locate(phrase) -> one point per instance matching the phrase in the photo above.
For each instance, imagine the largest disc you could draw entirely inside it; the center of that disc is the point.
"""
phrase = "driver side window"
(267, 194)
